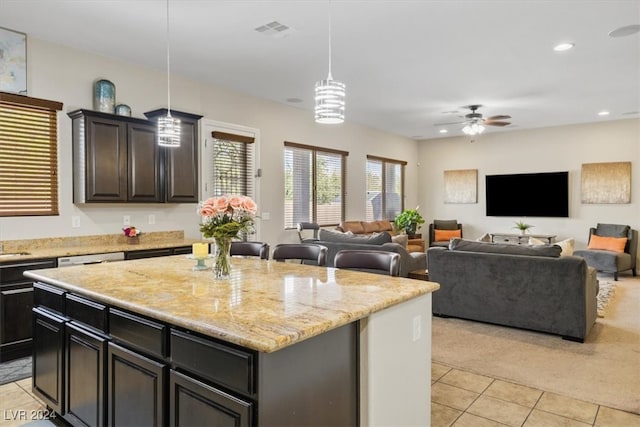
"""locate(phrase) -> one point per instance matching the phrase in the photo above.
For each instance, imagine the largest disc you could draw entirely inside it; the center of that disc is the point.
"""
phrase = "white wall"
(563, 148)
(67, 75)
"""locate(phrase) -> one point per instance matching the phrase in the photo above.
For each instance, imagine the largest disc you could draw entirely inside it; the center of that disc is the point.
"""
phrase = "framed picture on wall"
(13, 61)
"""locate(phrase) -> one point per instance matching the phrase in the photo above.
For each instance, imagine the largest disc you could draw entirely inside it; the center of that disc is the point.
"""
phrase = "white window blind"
(232, 161)
(385, 188)
(314, 185)
(28, 156)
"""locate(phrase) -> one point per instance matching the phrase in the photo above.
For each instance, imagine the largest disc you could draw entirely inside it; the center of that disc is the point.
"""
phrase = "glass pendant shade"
(473, 129)
(329, 98)
(168, 131)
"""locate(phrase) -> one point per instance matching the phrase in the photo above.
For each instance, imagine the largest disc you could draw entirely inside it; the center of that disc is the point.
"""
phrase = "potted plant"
(522, 226)
(409, 221)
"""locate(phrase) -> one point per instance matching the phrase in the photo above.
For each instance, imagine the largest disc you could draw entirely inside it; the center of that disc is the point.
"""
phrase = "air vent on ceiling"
(272, 28)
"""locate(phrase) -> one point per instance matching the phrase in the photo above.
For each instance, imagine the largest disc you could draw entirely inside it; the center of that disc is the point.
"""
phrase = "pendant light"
(168, 127)
(330, 94)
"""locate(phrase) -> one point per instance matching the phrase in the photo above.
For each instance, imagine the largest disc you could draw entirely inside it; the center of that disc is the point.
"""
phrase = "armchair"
(602, 253)
(442, 231)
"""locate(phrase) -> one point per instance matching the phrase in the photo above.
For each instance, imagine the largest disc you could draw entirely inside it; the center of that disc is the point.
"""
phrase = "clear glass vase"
(222, 259)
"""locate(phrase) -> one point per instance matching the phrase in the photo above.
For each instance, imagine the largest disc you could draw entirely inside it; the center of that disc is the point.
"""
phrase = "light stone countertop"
(264, 306)
(56, 247)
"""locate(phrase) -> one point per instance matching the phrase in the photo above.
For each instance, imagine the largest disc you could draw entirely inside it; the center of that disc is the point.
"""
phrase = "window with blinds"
(314, 185)
(28, 155)
(231, 165)
(385, 188)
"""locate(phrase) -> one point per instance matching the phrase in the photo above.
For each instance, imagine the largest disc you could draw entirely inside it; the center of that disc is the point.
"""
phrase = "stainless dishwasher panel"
(68, 261)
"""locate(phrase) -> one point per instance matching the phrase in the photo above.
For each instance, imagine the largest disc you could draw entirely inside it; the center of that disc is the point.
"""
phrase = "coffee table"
(422, 274)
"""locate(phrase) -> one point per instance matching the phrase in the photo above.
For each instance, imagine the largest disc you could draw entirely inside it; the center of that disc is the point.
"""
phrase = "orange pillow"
(615, 244)
(446, 235)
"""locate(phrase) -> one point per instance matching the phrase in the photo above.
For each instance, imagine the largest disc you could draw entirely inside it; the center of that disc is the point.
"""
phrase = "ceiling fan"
(475, 123)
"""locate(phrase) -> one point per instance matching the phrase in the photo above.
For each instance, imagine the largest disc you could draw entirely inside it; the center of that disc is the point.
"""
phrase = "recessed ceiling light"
(444, 131)
(603, 113)
(563, 46)
(627, 30)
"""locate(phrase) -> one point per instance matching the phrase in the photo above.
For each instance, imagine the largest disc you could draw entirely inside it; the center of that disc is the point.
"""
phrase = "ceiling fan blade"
(450, 123)
(496, 123)
(501, 117)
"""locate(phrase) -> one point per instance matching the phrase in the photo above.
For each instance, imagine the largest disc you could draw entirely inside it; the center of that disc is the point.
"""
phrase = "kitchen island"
(153, 342)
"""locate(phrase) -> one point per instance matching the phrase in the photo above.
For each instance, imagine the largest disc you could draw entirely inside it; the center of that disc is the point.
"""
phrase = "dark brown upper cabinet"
(180, 164)
(117, 159)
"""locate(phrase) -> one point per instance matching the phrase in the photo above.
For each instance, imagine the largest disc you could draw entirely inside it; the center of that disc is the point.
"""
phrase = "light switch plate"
(126, 220)
(75, 221)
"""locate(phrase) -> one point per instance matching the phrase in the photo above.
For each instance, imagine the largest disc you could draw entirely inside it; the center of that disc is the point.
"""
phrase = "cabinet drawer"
(219, 363)
(88, 312)
(49, 297)
(138, 332)
(13, 272)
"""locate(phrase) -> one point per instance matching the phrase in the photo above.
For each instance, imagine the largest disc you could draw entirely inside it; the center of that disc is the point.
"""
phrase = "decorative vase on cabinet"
(104, 96)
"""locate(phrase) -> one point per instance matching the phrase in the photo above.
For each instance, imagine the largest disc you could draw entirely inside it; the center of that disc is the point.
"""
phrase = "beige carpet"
(604, 370)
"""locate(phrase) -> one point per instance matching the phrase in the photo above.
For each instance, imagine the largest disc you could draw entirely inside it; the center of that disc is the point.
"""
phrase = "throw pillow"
(486, 237)
(615, 244)
(567, 247)
(401, 239)
(446, 235)
(612, 230)
(336, 236)
(445, 224)
(536, 242)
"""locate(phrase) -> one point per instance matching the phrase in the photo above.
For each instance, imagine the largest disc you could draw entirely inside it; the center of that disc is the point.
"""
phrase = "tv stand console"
(520, 239)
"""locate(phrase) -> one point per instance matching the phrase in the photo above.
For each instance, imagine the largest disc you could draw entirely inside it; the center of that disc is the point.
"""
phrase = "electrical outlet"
(417, 327)
(75, 221)
(266, 216)
(126, 220)
(152, 219)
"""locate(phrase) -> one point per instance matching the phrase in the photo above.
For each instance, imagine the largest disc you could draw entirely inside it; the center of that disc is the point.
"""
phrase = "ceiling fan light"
(168, 131)
(330, 104)
(473, 129)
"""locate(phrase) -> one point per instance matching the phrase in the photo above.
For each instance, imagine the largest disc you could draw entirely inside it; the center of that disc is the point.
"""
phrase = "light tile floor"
(462, 399)
(458, 398)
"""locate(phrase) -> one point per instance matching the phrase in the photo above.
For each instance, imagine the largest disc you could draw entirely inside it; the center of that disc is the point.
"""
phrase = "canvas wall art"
(461, 186)
(606, 182)
(13, 61)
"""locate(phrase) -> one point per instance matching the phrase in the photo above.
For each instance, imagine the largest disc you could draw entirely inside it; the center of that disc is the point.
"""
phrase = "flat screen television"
(528, 194)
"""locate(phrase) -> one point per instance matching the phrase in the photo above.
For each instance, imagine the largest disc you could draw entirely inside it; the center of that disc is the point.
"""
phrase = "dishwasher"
(69, 261)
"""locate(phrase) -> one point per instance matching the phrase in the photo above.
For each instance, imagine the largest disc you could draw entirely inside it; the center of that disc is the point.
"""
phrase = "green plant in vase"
(409, 221)
(523, 226)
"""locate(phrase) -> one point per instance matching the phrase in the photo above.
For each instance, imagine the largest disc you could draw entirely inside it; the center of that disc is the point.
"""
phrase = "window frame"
(315, 150)
(384, 161)
(49, 132)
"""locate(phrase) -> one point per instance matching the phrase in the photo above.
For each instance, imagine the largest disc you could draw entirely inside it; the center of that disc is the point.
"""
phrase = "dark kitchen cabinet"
(48, 358)
(115, 159)
(151, 253)
(180, 164)
(192, 401)
(16, 302)
(85, 387)
(136, 387)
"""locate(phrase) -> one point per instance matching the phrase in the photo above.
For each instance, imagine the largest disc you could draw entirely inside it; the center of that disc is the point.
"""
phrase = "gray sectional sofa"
(336, 241)
(529, 287)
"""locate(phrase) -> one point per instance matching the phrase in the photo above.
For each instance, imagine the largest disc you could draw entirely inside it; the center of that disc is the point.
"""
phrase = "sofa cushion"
(615, 244)
(445, 224)
(446, 235)
(503, 248)
(333, 236)
(353, 226)
(401, 239)
(567, 246)
(612, 230)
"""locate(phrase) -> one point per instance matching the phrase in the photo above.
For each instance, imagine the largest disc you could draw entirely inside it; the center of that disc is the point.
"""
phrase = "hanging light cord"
(168, 66)
(330, 77)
